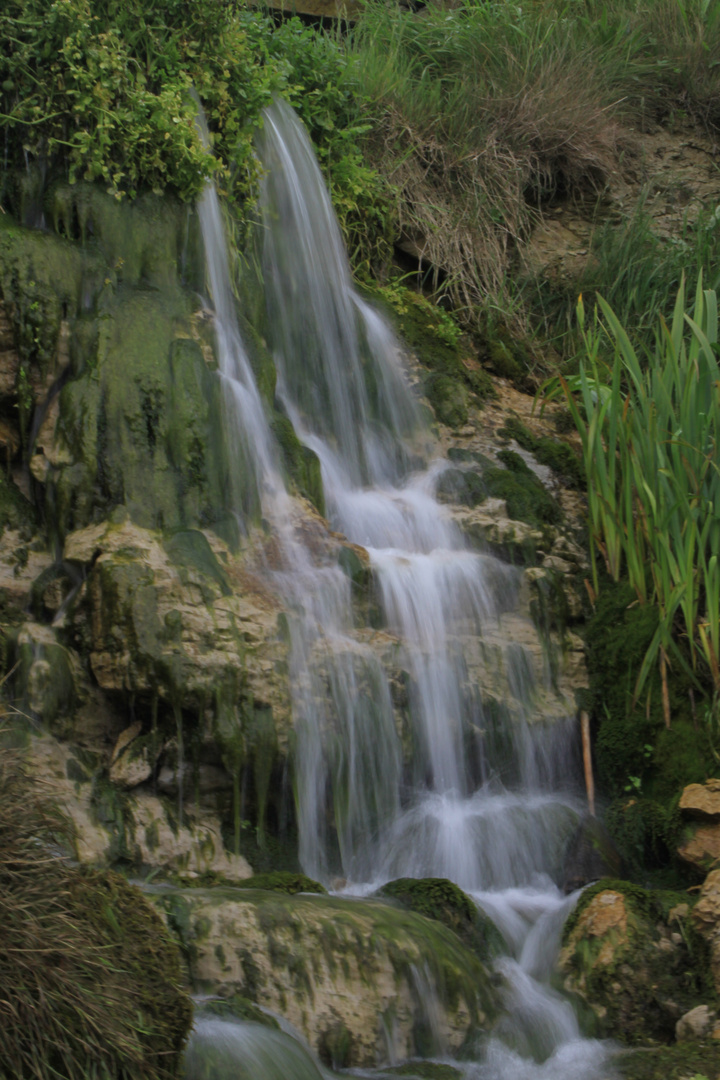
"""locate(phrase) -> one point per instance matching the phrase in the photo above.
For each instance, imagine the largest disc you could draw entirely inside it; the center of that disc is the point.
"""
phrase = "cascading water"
(484, 796)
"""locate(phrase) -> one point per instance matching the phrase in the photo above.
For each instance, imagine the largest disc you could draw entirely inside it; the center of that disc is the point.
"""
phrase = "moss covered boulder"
(441, 899)
(636, 959)
(361, 980)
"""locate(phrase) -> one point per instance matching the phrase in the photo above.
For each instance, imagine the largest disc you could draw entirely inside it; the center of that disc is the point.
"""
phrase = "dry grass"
(89, 979)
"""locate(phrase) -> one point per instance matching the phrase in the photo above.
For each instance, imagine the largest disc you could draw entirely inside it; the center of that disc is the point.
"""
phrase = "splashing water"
(419, 741)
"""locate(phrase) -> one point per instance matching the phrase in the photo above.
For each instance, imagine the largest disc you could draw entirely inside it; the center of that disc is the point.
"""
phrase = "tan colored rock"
(701, 799)
(606, 918)
(194, 849)
(695, 1024)
(128, 769)
(149, 839)
(702, 848)
(706, 919)
(322, 962)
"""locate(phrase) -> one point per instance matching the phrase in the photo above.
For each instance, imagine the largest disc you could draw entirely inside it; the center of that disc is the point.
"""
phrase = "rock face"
(629, 960)
(138, 828)
(700, 806)
(386, 984)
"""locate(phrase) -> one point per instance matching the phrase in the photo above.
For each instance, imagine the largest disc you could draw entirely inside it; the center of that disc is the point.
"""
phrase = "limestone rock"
(702, 847)
(128, 769)
(141, 828)
(384, 978)
(695, 1024)
(706, 919)
(623, 958)
(702, 800)
(700, 805)
(160, 622)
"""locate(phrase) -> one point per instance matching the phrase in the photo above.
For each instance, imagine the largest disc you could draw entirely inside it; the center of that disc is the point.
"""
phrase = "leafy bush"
(104, 88)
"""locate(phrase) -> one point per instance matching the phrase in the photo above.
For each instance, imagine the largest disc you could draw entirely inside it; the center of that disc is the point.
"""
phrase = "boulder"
(695, 1024)
(381, 983)
(629, 959)
(700, 806)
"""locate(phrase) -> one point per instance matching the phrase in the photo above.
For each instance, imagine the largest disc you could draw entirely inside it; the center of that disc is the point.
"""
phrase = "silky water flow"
(488, 797)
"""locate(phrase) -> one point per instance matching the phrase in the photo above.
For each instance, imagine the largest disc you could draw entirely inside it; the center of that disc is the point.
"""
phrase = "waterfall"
(476, 790)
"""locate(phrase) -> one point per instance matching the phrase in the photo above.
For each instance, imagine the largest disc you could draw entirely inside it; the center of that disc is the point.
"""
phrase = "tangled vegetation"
(90, 977)
(487, 112)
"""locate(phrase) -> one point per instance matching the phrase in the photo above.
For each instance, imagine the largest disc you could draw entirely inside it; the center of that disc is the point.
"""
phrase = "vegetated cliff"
(139, 633)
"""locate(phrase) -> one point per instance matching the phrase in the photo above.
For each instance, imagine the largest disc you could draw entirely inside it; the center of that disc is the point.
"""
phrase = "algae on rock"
(331, 965)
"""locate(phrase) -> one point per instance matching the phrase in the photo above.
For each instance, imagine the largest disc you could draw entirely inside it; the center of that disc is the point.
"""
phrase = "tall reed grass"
(650, 445)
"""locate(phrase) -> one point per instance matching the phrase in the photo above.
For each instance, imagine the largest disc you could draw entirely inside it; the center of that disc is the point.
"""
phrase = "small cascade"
(227, 1050)
(477, 789)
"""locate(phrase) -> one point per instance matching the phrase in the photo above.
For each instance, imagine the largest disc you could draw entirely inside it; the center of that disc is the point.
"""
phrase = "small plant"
(650, 447)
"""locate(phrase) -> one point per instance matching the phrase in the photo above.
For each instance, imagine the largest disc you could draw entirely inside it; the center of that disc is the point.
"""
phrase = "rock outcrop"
(386, 984)
(638, 966)
(700, 807)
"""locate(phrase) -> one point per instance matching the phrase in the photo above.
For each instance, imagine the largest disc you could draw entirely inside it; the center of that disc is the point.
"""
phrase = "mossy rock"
(684, 1061)
(464, 486)
(141, 411)
(282, 881)
(448, 398)
(524, 493)
(435, 338)
(16, 512)
(237, 1007)
(302, 464)
(554, 453)
(190, 548)
(425, 1070)
(441, 899)
(633, 956)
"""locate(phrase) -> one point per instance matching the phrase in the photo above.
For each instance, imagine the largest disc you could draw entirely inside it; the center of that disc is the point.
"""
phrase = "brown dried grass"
(89, 978)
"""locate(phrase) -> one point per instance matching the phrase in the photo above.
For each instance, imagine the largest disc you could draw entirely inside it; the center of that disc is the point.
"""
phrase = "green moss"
(641, 986)
(464, 486)
(636, 755)
(441, 899)
(685, 1061)
(554, 453)
(335, 1046)
(449, 399)
(237, 1007)
(301, 463)
(524, 494)
(425, 1070)
(16, 512)
(284, 882)
(435, 337)
(141, 414)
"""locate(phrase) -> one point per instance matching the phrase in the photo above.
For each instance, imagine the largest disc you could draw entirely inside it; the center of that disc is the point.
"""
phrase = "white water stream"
(482, 795)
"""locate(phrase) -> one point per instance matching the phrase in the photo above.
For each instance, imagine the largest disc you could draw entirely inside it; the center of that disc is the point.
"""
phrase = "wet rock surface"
(387, 984)
(639, 966)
